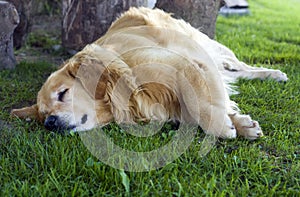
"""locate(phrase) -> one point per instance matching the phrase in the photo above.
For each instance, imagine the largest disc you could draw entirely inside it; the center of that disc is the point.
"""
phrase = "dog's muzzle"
(53, 123)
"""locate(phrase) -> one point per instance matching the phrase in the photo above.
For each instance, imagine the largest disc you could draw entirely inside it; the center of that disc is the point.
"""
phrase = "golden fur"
(148, 66)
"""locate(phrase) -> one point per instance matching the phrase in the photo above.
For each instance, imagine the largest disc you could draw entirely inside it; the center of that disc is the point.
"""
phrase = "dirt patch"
(44, 41)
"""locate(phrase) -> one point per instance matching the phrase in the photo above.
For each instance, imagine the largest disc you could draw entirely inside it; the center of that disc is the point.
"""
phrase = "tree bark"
(9, 19)
(84, 21)
(24, 10)
(200, 14)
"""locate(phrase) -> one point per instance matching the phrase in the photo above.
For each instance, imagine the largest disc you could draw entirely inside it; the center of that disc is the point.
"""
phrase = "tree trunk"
(22, 30)
(200, 14)
(9, 19)
(84, 21)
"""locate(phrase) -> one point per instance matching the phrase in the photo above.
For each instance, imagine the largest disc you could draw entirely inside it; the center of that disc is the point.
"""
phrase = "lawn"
(35, 162)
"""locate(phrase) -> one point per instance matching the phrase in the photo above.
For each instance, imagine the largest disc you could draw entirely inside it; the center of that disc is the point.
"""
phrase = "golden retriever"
(148, 67)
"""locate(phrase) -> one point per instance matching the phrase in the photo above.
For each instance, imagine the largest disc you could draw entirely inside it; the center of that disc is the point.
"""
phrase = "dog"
(148, 67)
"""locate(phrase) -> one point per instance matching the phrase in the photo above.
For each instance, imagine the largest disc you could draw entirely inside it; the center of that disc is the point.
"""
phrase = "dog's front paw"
(247, 127)
(224, 129)
(229, 130)
(230, 133)
(251, 132)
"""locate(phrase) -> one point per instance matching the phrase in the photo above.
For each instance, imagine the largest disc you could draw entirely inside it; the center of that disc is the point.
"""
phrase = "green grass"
(34, 162)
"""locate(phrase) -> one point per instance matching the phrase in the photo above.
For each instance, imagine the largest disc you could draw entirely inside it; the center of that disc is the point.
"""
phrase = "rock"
(9, 19)
(56, 47)
(24, 10)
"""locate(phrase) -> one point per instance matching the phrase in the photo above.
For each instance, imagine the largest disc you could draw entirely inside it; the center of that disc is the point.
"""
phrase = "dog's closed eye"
(61, 95)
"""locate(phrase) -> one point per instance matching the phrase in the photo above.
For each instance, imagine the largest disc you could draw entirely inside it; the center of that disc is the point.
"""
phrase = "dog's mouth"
(54, 123)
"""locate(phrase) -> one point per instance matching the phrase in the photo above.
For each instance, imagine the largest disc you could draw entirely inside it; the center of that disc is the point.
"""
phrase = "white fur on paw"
(229, 134)
(278, 75)
(246, 127)
(252, 132)
(226, 131)
(229, 130)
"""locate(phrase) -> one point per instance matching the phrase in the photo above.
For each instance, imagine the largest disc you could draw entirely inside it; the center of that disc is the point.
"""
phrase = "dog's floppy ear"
(93, 76)
(26, 112)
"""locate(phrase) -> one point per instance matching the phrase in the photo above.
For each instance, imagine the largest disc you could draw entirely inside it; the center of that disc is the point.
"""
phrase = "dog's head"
(74, 97)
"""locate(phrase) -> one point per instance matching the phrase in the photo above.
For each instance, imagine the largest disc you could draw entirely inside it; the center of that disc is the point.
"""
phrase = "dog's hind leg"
(230, 66)
(242, 70)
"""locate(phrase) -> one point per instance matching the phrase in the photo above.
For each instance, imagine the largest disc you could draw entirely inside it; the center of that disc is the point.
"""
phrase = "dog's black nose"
(51, 123)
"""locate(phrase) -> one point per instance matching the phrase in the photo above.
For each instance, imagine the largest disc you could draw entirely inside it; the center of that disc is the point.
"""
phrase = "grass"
(34, 162)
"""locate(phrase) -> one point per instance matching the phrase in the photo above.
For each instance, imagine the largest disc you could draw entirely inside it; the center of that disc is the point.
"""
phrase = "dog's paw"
(229, 130)
(251, 132)
(223, 129)
(230, 133)
(278, 76)
(247, 127)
